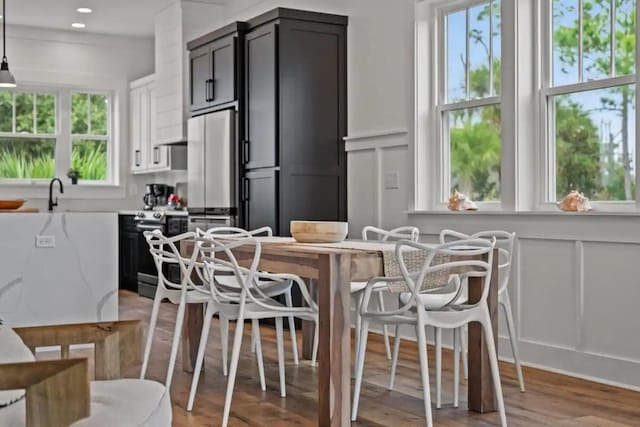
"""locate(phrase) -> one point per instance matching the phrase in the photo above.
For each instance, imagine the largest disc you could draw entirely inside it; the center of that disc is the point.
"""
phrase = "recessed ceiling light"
(78, 25)
(84, 10)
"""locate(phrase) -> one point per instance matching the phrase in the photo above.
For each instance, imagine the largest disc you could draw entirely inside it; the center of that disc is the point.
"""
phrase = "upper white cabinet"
(146, 155)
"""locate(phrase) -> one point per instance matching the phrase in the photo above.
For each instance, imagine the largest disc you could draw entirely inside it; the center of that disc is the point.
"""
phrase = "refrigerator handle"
(245, 189)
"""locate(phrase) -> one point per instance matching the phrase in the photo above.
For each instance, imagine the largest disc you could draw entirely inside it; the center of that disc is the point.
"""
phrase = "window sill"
(540, 213)
(40, 190)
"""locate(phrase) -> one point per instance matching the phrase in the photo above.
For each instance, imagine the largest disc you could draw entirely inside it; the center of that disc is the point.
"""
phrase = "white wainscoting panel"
(547, 291)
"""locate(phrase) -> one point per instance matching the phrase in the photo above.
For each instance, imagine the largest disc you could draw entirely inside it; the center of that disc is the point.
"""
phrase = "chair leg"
(463, 349)
(456, 366)
(255, 331)
(385, 330)
(204, 336)
(175, 345)
(359, 368)
(394, 358)
(438, 339)
(493, 361)
(224, 340)
(150, 332)
(506, 305)
(235, 355)
(424, 371)
(280, 344)
(253, 337)
(358, 320)
(292, 328)
(316, 338)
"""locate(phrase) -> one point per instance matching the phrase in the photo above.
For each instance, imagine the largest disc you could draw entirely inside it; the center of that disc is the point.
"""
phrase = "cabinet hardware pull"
(209, 90)
(156, 155)
(137, 158)
(245, 151)
(246, 189)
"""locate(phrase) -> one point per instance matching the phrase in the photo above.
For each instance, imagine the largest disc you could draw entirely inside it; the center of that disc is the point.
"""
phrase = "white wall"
(53, 57)
(574, 285)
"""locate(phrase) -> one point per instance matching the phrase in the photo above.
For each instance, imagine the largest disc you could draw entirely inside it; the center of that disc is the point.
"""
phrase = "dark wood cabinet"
(129, 246)
(214, 67)
(261, 107)
(260, 189)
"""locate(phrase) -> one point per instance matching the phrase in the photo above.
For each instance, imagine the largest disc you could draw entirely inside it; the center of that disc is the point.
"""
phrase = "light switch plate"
(391, 180)
(45, 241)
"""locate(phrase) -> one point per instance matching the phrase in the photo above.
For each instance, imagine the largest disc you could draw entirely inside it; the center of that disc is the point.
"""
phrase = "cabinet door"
(138, 121)
(260, 145)
(128, 254)
(223, 63)
(200, 77)
(261, 199)
(158, 154)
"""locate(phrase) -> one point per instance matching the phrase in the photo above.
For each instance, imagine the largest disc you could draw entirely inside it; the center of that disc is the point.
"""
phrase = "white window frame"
(63, 137)
(432, 166)
(547, 92)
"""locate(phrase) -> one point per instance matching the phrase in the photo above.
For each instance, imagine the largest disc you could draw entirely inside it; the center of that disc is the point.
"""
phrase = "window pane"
(475, 140)
(24, 113)
(595, 143)
(90, 159)
(99, 106)
(625, 37)
(565, 42)
(6, 111)
(79, 113)
(27, 158)
(46, 114)
(456, 56)
(596, 39)
(479, 48)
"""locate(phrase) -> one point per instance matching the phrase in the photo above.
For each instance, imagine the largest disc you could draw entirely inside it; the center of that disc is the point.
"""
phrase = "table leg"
(480, 386)
(308, 328)
(191, 332)
(334, 372)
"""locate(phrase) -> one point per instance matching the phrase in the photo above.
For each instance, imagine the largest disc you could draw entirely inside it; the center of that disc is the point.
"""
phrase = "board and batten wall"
(574, 284)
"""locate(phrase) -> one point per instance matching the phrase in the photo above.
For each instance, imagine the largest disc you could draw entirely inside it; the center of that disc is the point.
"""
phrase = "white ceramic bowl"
(319, 231)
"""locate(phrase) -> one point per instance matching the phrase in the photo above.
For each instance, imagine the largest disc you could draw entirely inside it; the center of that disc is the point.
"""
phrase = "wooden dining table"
(332, 269)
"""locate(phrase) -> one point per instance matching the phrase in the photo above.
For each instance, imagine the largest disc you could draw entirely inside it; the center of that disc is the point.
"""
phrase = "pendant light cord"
(4, 31)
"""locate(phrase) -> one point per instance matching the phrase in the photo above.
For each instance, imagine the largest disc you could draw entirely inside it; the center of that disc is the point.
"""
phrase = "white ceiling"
(121, 17)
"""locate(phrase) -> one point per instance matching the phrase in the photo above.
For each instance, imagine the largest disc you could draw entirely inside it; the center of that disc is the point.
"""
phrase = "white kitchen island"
(74, 278)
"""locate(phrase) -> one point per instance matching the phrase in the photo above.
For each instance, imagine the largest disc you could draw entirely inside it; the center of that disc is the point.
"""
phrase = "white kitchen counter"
(75, 281)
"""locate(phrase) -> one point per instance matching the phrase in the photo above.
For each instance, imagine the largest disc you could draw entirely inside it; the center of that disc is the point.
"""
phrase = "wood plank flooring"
(550, 400)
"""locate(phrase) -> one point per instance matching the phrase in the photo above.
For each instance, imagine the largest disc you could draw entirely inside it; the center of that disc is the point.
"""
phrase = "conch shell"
(575, 202)
(460, 202)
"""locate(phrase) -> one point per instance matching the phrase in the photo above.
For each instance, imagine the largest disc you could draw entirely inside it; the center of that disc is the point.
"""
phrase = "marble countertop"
(166, 212)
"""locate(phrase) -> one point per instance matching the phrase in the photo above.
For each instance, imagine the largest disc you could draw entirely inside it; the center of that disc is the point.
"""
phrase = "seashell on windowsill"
(460, 202)
(575, 202)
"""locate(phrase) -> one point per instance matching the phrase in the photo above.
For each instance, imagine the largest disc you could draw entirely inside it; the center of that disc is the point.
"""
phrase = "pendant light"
(6, 78)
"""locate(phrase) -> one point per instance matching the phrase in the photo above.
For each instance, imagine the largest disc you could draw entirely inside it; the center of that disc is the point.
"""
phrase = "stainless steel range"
(170, 223)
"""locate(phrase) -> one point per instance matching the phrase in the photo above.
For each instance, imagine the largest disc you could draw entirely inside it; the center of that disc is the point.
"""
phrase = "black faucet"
(51, 202)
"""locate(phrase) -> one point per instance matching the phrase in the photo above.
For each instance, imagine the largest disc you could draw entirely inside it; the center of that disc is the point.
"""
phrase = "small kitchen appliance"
(156, 195)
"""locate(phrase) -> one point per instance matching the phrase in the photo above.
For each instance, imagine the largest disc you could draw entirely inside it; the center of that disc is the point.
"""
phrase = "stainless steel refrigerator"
(211, 165)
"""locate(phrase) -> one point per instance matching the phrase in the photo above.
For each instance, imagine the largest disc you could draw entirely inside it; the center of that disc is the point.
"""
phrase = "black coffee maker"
(156, 195)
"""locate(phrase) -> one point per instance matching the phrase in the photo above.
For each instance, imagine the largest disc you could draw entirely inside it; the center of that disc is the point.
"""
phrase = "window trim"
(64, 138)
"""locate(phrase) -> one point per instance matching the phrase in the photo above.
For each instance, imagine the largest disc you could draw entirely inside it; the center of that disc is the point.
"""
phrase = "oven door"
(147, 271)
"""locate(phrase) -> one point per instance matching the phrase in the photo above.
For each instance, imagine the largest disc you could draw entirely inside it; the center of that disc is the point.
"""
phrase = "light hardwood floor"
(550, 400)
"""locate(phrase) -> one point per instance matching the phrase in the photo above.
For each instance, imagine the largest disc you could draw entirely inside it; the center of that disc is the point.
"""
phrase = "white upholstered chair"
(419, 308)
(373, 233)
(58, 392)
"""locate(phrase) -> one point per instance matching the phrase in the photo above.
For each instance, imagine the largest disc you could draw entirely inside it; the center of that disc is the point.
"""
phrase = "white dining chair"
(374, 233)
(419, 307)
(250, 304)
(505, 243)
(165, 250)
(273, 289)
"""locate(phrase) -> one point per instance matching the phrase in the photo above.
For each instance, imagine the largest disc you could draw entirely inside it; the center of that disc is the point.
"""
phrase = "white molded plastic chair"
(357, 288)
(270, 288)
(165, 250)
(417, 309)
(505, 243)
(251, 303)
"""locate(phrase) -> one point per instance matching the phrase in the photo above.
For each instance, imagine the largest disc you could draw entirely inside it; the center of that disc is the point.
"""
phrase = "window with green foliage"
(27, 135)
(89, 125)
(35, 145)
(591, 99)
(469, 101)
